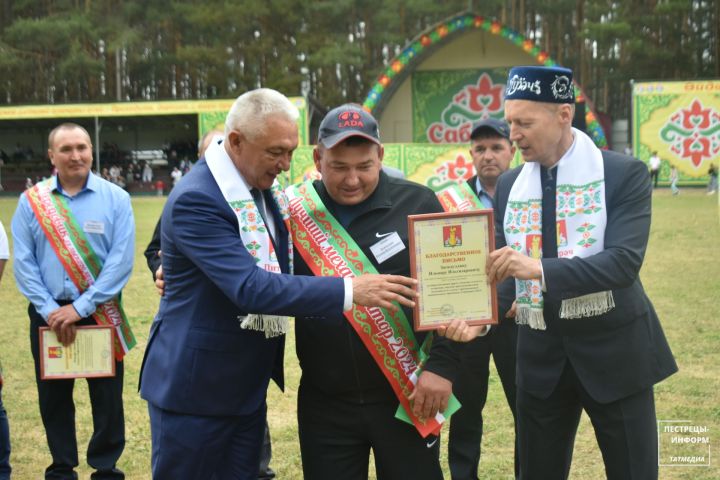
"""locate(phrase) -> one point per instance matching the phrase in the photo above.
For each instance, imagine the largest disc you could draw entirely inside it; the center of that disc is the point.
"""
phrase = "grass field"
(681, 276)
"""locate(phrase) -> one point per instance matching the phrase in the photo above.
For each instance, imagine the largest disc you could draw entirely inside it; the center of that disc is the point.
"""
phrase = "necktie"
(548, 182)
(260, 203)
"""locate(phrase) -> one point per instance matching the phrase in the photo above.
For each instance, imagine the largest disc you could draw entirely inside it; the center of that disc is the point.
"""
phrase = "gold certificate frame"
(449, 252)
(89, 356)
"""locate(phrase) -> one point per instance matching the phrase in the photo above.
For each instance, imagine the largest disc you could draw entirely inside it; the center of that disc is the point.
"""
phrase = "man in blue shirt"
(103, 212)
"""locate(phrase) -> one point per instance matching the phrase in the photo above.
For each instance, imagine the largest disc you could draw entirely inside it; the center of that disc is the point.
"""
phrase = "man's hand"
(513, 310)
(62, 322)
(459, 331)
(67, 334)
(431, 395)
(507, 262)
(160, 281)
(381, 290)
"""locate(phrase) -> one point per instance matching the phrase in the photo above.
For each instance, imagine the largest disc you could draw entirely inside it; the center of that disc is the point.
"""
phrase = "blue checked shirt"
(484, 197)
(104, 213)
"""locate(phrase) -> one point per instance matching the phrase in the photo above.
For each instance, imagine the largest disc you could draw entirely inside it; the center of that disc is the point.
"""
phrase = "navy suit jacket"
(622, 351)
(198, 360)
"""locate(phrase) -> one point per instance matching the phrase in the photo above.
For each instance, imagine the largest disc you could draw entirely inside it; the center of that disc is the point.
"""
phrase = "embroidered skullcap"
(541, 84)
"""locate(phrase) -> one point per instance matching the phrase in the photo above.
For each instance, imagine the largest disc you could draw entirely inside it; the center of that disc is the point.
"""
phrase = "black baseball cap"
(347, 121)
(498, 126)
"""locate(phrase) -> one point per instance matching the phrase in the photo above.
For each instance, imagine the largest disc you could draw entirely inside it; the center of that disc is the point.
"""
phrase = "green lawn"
(680, 275)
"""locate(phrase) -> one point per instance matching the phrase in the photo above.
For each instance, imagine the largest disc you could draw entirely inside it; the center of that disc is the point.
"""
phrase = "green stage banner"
(447, 102)
(681, 121)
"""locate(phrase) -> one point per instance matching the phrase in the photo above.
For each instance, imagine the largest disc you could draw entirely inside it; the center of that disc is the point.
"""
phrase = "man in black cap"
(348, 392)
(572, 226)
(492, 152)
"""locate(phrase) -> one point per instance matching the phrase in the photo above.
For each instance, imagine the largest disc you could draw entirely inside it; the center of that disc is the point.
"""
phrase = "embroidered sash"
(252, 229)
(77, 256)
(459, 198)
(581, 217)
(330, 251)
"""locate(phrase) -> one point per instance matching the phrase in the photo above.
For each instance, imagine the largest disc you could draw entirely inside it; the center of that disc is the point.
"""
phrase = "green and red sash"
(459, 198)
(329, 250)
(77, 256)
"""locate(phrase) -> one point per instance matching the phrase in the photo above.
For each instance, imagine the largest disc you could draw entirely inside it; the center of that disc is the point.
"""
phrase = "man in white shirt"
(655, 168)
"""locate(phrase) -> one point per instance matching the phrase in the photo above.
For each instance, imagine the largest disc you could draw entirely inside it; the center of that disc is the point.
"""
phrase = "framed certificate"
(90, 355)
(448, 256)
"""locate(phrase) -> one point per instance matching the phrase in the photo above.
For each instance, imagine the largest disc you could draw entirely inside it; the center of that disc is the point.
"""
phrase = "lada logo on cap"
(350, 119)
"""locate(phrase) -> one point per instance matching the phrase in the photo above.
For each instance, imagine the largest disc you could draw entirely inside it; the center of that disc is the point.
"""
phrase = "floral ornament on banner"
(693, 133)
(473, 103)
(450, 172)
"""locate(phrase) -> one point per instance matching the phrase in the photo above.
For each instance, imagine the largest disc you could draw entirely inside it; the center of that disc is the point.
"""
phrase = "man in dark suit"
(492, 152)
(225, 259)
(154, 262)
(572, 226)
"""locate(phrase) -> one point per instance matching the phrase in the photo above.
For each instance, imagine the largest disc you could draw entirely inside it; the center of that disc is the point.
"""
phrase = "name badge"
(387, 247)
(93, 226)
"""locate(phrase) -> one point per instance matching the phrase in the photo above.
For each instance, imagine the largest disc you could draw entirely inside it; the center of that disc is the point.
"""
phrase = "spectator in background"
(4, 428)
(176, 175)
(114, 173)
(492, 152)
(120, 180)
(185, 166)
(655, 163)
(137, 172)
(713, 185)
(147, 173)
(674, 180)
(129, 175)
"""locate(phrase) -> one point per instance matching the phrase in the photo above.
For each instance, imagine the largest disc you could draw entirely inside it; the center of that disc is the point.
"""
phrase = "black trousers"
(57, 410)
(654, 177)
(336, 437)
(5, 468)
(625, 430)
(471, 389)
(266, 473)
